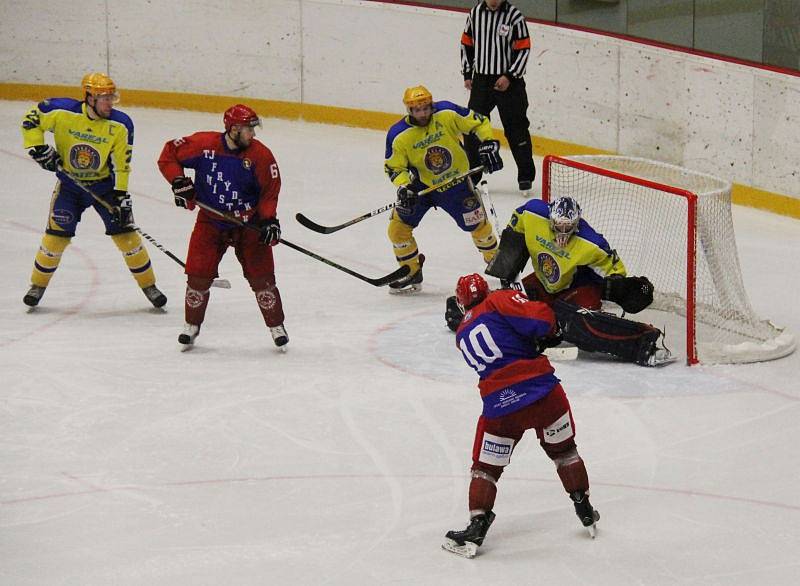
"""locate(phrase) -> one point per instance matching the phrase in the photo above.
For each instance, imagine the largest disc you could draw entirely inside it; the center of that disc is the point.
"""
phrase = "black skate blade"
(468, 550)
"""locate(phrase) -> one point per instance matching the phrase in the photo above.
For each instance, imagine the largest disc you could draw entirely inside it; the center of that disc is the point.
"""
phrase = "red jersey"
(243, 183)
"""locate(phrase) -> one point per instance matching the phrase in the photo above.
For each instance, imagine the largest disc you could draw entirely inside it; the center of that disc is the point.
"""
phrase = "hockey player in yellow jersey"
(424, 150)
(93, 144)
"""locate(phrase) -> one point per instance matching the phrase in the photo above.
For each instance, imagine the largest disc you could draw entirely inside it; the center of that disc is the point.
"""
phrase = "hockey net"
(675, 227)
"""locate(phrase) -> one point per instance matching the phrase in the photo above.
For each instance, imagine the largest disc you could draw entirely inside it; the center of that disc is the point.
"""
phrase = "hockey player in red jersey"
(502, 337)
(237, 175)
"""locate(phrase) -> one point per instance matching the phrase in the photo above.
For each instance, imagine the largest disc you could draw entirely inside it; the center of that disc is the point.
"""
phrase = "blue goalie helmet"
(565, 215)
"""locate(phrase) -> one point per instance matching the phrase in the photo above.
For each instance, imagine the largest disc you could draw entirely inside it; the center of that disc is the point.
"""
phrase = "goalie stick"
(311, 225)
(221, 283)
(377, 282)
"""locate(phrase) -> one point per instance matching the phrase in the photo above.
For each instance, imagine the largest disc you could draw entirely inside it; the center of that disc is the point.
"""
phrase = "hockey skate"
(586, 513)
(156, 297)
(33, 296)
(526, 189)
(650, 354)
(466, 543)
(280, 337)
(410, 284)
(186, 339)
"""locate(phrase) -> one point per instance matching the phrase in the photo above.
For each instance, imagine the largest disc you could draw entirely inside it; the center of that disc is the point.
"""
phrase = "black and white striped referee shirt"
(495, 42)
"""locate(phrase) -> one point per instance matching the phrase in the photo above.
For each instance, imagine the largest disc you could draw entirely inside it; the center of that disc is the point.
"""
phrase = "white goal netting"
(674, 226)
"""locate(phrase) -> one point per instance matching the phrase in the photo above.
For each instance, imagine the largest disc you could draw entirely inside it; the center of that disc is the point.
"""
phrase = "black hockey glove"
(46, 156)
(632, 294)
(406, 199)
(183, 189)
(122, 210)
(489, 156)
(270, 231)
(453, 314)
(550, 341)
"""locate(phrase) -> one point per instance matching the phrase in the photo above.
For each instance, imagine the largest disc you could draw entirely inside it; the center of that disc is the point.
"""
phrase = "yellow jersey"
(433, 153)
(587, 257)
(90, 150)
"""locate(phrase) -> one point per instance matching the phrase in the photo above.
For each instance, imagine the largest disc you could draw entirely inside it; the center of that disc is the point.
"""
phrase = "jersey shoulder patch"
(68, 104)
(445, 106)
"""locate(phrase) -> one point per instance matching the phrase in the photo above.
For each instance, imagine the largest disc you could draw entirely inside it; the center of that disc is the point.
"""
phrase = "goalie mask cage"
(675, 227)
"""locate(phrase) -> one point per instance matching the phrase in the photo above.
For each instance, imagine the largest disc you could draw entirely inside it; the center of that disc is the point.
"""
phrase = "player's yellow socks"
(405, 247)
(485, 240)
(136, 257)
(47, 258)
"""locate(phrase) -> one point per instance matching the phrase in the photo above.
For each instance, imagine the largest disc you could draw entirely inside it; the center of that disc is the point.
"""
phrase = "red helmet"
(471, 290)
(240, 115)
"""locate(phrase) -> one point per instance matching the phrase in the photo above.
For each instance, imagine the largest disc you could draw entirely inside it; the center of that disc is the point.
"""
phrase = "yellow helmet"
(99, 84)
(417, 96)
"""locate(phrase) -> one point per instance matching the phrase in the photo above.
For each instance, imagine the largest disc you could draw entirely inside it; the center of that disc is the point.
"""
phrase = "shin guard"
(196, 300)
(482, 491)
(136, 257)
(405, 246)
(485, 241)
(47, 258)
(269, 300)
(572, 471)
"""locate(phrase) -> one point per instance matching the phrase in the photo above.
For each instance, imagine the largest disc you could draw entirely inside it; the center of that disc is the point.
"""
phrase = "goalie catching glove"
(632, 294)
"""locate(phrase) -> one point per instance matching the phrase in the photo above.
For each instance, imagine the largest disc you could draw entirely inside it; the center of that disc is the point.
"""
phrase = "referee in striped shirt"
(495, 47)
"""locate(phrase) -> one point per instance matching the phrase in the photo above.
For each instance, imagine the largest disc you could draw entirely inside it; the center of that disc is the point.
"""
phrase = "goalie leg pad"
(597, 331)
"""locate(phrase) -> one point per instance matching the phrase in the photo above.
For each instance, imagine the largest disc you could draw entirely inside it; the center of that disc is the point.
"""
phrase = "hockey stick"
(378, 282)
(221, 283)
(311, 225)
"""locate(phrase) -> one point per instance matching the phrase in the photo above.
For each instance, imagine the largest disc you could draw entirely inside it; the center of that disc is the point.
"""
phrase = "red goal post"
(674, 226)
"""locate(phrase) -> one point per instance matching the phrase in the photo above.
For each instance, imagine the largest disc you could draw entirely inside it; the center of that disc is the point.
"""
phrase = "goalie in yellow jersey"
(93, 144)
(424, 150)
(574, 270)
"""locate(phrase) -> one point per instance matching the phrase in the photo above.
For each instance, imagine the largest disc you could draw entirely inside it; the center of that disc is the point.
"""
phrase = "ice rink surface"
(345, 460)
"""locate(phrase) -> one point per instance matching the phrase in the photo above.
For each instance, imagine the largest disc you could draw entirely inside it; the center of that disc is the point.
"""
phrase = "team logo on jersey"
(247, 163)
(82, 156)
(503, 30)
(549, 267)
(438, 159)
